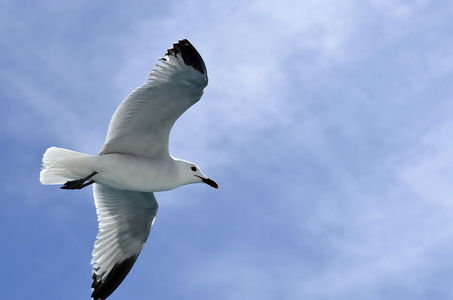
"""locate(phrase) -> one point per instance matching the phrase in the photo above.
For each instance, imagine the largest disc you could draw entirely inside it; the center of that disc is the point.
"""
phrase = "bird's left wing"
(125, 219)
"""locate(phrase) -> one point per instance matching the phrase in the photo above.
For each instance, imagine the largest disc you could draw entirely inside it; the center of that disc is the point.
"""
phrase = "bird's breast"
(129, 172)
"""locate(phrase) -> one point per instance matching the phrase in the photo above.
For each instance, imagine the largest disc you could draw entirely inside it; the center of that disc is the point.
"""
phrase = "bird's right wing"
(125, 219)
(141, 124)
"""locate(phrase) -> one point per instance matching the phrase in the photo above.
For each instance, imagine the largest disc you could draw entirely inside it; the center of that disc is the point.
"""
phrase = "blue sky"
(327, 125)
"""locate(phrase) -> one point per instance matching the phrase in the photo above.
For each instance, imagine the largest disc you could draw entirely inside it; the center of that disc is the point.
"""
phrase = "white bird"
(134, 163)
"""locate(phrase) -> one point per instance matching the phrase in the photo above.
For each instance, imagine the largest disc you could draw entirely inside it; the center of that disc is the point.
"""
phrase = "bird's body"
(133, 164)
(137, 173)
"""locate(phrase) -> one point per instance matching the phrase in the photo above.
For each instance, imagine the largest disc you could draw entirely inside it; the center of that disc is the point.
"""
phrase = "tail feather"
(61, 165)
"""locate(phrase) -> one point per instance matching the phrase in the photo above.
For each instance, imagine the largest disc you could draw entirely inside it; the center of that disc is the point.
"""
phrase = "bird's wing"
(141, 124)
(125, 219)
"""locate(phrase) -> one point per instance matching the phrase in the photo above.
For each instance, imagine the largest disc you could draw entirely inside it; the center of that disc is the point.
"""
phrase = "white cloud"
(427, 168)
(325, 123)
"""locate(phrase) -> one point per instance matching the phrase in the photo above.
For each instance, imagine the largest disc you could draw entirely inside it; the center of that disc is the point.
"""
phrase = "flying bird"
(133, 164)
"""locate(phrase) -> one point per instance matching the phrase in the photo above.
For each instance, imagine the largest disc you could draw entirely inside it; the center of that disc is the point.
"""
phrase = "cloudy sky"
(327, 124)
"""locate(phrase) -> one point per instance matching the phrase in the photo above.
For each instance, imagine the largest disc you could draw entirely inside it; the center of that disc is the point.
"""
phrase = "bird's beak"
(209, 181)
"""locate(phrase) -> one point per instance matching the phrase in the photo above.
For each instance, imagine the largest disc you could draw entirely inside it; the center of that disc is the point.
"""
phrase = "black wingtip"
(189, 54)
(103, 289)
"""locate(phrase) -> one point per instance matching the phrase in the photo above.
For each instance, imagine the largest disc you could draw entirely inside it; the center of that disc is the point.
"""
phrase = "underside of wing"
(141, 125)
(125, 219)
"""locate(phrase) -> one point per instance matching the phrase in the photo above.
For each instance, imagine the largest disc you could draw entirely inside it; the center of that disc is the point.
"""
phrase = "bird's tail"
(61, 165)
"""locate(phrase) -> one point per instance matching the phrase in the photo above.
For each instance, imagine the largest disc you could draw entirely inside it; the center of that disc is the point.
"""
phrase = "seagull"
(133, 164)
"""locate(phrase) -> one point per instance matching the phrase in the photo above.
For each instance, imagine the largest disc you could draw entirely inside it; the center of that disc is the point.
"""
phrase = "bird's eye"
(194, 169)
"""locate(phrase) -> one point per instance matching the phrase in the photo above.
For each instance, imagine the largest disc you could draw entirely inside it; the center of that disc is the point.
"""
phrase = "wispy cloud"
(326, 124)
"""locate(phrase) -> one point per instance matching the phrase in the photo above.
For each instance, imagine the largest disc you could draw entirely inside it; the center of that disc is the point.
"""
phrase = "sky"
(327, 124)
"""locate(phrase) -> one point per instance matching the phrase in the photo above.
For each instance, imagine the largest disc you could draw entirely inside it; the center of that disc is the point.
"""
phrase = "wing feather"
(141, 125)
(125, 219)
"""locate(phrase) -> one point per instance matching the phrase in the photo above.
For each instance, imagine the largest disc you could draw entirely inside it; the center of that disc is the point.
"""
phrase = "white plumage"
(133, 163)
